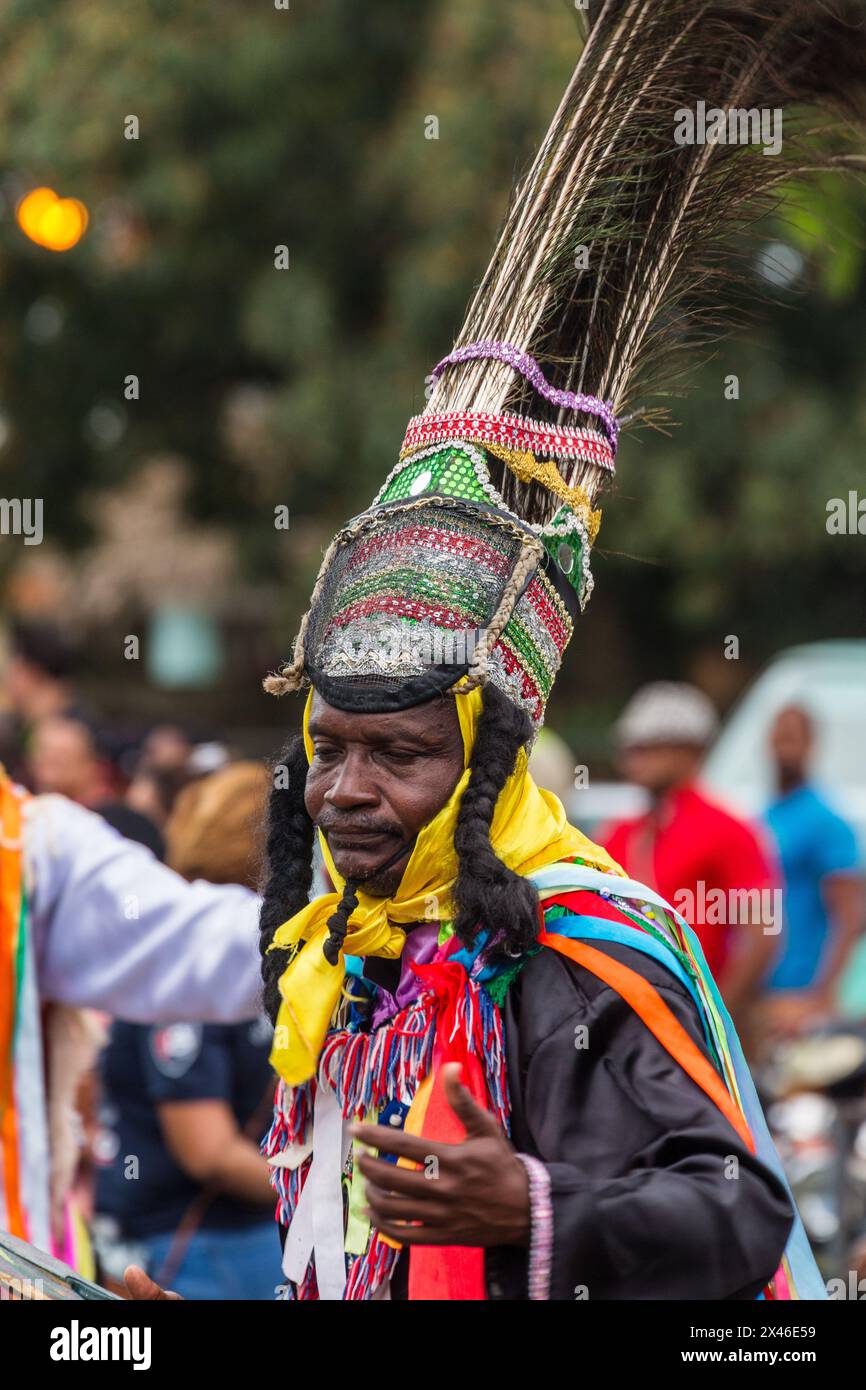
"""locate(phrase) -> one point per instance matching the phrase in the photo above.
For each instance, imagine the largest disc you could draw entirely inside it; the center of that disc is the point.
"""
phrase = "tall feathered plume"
(661, 223)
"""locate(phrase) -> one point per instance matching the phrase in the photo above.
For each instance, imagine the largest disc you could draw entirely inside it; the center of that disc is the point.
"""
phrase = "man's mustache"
(332, 825)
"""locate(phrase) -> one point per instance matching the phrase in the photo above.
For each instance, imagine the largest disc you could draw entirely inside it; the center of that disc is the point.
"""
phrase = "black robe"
(654, 1194)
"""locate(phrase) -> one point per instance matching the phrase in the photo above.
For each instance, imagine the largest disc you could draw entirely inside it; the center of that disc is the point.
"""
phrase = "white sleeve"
(114, 929)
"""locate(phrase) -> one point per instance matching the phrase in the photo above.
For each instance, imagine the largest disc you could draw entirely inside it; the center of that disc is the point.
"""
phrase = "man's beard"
(381, 878)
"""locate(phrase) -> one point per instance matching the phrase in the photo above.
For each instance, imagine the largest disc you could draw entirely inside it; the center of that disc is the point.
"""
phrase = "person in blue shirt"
(180, 1182)
(823, 897)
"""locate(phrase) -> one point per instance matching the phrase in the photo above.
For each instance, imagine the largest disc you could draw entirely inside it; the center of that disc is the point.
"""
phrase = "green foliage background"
(306, 127)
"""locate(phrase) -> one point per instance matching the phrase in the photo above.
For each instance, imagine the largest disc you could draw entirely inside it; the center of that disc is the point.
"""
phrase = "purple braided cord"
(529, 368)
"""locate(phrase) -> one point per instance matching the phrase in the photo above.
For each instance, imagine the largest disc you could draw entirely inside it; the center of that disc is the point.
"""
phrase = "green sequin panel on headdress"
(566, 541)
(451, 472)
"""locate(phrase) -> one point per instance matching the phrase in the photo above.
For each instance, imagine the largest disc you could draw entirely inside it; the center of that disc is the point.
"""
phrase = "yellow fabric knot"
(525, 466)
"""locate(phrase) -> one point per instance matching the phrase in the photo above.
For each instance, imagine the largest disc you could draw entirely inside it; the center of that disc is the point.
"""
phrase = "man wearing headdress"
(505, 1069)
(570, 1153)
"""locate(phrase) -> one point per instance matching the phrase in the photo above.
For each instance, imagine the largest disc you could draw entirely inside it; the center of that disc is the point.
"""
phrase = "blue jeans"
(234, 1264)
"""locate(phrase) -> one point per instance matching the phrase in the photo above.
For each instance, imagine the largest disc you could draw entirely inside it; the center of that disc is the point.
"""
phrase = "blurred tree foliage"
(308, 127)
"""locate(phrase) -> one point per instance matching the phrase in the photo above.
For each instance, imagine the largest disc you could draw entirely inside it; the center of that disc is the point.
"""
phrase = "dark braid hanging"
(338, 922)
(488, 894)
(289, 863)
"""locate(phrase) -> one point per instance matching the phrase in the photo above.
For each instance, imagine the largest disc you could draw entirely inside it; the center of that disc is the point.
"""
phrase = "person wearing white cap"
(665, 707)
(711, 865)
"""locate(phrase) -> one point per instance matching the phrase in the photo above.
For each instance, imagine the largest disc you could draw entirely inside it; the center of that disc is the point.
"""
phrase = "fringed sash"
(453, 1018)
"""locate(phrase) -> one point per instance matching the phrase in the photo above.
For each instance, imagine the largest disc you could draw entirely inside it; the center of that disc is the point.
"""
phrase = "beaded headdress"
(472, 563)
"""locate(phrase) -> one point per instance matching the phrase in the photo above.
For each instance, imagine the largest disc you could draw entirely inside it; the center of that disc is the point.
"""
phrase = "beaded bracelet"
(541, 1227)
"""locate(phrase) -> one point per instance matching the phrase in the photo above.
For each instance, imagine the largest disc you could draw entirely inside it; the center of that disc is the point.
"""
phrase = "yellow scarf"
(529, 831)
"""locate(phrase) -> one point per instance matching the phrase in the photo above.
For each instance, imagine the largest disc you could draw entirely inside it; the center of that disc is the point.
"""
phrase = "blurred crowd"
(51, 740)
(778, 906)
(779, 910)
(161, 1158)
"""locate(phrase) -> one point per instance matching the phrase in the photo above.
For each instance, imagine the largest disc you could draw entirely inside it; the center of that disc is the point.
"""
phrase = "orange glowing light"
(54, 222)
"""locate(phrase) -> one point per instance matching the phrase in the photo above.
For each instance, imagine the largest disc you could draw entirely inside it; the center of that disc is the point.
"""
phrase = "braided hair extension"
(288, 861)
(338, 922)
(490, 896)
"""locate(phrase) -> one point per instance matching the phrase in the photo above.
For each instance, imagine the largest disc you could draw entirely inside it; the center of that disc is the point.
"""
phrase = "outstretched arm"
(114, 929)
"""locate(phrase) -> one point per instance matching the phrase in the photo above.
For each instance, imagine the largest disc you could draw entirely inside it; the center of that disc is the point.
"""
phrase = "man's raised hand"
(474, 1193)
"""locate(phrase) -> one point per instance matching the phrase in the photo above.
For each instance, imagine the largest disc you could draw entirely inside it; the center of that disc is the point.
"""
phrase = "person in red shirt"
(706, 862)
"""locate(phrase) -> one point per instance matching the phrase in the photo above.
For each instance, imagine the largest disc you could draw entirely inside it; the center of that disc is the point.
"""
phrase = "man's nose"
(353, 785)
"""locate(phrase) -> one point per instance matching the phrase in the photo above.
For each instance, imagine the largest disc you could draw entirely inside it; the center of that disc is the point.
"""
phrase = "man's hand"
(472, 1193)
(142, 1288)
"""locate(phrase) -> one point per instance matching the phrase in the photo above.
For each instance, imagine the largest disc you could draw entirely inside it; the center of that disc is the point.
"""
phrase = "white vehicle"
(829, 680)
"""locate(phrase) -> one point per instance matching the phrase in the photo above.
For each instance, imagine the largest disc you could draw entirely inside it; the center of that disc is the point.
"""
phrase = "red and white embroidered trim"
(514, 431)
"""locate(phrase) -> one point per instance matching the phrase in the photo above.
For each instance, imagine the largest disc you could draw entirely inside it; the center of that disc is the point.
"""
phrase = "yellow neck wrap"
(529, 831)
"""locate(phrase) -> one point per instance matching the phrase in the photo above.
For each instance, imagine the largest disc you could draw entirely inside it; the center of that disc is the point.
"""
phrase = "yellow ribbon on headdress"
(529, 831)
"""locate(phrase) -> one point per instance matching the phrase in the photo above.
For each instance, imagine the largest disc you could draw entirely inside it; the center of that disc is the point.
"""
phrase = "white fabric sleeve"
(114, 929)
